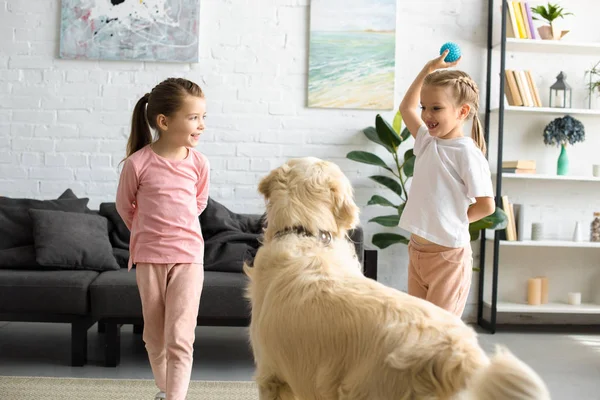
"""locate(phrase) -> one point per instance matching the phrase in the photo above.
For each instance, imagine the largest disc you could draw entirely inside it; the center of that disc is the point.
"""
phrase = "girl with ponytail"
(162, 191)
(451, 186)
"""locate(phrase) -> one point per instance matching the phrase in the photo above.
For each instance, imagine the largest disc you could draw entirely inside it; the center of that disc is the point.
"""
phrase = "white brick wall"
(64, 123)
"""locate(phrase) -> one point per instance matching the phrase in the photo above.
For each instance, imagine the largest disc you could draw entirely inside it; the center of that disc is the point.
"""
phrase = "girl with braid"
(451, 186)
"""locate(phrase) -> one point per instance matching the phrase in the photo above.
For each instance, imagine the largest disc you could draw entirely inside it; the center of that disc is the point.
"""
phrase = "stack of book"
(520, 89)
(519, 167)
(520, 21)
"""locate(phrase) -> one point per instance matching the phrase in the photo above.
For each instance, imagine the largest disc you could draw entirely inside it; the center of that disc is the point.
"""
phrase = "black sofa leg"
(370, 264)
(112, 348)
(138, 329)
(101, 327)
(79, 331)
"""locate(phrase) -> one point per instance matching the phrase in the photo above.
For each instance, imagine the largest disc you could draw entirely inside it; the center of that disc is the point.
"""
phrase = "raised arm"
(127, 192)
(412, 99)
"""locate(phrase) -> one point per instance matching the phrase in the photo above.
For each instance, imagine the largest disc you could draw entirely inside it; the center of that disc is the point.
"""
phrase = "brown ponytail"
(477, 134)
(140, 135)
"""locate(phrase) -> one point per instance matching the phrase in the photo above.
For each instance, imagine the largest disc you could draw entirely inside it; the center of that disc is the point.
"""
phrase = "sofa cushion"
(229, 238)
(65, 240)
(118, 232)
(22, 257)
(114, 294)
(53, 292)
(16, 224)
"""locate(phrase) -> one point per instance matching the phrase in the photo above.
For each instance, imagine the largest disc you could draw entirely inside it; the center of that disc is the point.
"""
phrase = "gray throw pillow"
(65, 240)
(15, 222)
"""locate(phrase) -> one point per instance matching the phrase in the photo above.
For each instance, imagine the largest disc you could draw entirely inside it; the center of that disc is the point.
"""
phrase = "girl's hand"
(439, 63)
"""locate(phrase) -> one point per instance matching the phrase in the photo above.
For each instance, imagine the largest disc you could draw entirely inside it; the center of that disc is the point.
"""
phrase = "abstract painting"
(143, 30)
(352, 54)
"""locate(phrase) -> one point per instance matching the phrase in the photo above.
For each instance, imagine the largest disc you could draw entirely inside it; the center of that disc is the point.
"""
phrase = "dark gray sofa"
(108, 295)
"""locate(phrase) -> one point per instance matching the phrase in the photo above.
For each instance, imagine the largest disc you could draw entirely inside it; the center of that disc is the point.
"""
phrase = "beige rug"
(38, 388)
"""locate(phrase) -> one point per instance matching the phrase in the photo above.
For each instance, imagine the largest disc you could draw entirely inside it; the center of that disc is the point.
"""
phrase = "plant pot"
(562, 165)
(550, 32)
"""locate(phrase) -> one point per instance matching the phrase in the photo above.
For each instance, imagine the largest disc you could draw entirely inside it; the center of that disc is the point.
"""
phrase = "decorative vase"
(563, 161)
(550, 32)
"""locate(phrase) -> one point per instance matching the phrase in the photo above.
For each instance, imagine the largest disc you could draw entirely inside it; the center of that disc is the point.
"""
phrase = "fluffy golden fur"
(320, 330)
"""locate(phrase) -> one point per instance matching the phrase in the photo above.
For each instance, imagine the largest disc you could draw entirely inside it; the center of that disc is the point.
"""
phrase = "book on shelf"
(519, 23)
(519, 170)
(511, 229)
(519, 164)
(520, 89)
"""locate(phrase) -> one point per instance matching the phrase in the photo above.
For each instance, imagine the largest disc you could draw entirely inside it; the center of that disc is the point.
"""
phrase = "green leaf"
(405, 134)
(389, 183)
(367, 158)
(497, 220)
(409, 163)
(383, 240)
(397, 124)
(401, 209)
(391, 221)
(371, 134)
(386, 133)
(377, 200)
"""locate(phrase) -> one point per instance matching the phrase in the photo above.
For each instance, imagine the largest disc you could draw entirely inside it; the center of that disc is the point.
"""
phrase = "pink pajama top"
(160, 201)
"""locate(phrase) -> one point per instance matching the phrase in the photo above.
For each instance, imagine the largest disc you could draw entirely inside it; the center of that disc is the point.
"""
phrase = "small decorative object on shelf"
(577, 233)
(594, 86)
(574, 298)
(549, 14)
(595, 228)
(537, 231)
(560, 92)
(560, 132)
(544, 289)
(596, 170)
(534, 291)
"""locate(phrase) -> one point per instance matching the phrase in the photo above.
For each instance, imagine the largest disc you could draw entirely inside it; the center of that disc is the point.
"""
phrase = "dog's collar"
(324, 237)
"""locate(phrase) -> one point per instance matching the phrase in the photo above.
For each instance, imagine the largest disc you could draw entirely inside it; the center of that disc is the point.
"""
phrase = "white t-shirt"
(448, 175)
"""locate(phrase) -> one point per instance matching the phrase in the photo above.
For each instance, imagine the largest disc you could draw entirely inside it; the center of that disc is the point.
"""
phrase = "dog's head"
(311, 193)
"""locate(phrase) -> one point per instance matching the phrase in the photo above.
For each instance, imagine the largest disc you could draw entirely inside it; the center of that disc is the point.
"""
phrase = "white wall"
(64, 123)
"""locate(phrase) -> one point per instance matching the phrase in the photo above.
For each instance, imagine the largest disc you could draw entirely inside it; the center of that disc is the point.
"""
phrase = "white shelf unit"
(550, 46)
(549, 243)
(548, 110)
(550, 308)
(544, 177)
(507, 265)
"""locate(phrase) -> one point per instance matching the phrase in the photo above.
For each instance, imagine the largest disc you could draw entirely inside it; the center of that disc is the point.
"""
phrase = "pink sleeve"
(126, 193)
(202, 186)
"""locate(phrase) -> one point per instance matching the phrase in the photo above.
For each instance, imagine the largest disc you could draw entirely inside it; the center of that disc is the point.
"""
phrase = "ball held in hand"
(454, 51)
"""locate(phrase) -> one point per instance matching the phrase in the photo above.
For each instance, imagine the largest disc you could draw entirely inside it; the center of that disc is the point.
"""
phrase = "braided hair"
(465, 92)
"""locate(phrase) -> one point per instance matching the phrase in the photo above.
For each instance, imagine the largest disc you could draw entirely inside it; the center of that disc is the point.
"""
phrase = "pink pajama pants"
(170, 296)
(440, 275)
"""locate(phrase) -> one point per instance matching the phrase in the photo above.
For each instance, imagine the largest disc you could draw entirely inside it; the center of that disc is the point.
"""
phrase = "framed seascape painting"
(352, 54)
(142, 30)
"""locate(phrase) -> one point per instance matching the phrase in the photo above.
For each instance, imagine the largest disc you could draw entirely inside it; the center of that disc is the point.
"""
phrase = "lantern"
(560, 92)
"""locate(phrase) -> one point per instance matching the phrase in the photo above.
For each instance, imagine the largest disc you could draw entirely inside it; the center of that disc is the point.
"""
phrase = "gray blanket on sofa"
(229, 238)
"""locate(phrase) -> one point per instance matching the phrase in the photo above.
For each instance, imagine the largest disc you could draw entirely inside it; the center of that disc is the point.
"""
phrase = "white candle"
(575, 298)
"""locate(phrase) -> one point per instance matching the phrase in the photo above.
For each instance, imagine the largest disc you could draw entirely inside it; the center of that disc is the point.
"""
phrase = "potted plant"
(594, 85)
(398, 174)
(560, 132)
(550, 14)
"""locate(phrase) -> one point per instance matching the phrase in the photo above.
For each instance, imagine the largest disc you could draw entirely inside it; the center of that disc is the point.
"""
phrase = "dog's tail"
(507, 378)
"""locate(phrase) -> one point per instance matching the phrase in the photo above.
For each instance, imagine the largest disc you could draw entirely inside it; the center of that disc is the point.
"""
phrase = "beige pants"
(170, 296)
(440, 275)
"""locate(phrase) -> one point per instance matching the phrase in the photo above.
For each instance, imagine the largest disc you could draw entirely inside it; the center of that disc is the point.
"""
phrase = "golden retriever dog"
(321, 330)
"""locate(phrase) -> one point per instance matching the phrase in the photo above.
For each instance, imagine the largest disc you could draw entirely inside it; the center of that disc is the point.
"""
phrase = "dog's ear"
(271, 181)
(345, 209)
